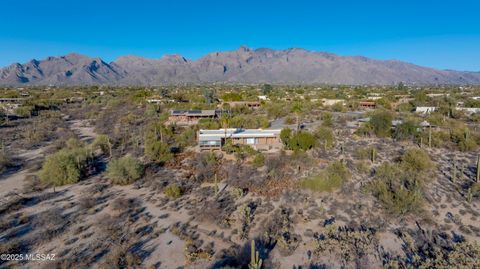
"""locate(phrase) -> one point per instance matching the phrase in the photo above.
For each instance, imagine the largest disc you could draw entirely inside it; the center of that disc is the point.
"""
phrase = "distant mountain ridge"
(244, 65)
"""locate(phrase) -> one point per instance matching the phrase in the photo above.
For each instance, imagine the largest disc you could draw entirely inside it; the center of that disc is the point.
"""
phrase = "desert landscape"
(358, 176)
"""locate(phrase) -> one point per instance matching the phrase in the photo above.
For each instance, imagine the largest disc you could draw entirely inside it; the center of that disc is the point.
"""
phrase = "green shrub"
(172, 191)
(325, 136)
(416, 160)
(186, 138)
(327, 119)
(103, 143)
(301, 140)
(330, 179)
(61, 168)
(24, 111)
(398, 190)
(381, 122)
(405, 130)
(125, 170)
(209, 124)
(157, 151)
(258, 160)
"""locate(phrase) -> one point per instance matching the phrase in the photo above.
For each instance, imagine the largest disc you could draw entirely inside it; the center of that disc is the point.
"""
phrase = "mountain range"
(244, 65)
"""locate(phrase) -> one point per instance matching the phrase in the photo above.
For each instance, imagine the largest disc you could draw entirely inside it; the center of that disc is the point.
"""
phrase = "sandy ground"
(310, 210)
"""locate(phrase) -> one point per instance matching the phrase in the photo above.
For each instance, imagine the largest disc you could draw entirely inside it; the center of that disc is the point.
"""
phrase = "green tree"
(267, 89)
(157, 150)
(60, 168)
(381, 121)
(103, 143)
(325, 136)
(125, 170)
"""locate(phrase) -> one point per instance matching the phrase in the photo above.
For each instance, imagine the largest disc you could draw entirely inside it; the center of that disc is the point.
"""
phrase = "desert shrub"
(121, 256)
(172, 191)
(381, 122)
(206, 165)
(362, 167)
(240, 121)
(126, 204)
(32, 183)
(157, 150)
(24, 111)
(301, 140)
(5, 161)
(327, 119)
(103, 143)
(240, 151)
(289, 120)
(61, 168)
(209, 124)
(364, 130)
(325, 136)
(50, 223)
(405, 130)
(397, 189)
(363, 153)
(416, 160)
(186, 138)
(258, 160)
(285, 135)
(124, 170)
(330, 179)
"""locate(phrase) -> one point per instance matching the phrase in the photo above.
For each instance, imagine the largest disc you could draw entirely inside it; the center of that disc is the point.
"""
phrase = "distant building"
(331, 102)
(469, 110)
(190, 117)
(367, 104)
(250, 104)
(263, 98)
(437, 94)
(425, 109)
(260, 139)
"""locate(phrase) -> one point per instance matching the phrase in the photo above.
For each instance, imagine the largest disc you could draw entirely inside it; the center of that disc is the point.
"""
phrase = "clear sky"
(441, 34)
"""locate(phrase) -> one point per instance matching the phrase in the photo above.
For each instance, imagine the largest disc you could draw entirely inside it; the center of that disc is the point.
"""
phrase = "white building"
(425, 109)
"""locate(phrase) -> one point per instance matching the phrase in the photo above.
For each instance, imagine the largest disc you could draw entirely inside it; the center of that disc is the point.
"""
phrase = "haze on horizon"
(434, 34)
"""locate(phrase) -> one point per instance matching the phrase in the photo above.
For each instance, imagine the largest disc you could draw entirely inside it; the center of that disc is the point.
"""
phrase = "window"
(251, 141)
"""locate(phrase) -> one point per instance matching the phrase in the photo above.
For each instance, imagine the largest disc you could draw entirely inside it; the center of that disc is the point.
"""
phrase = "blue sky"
(441, 34)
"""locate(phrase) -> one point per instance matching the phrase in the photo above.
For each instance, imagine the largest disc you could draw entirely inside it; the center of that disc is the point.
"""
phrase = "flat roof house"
(367, 104)
(190, 117)
(425, 109)
(260, 139)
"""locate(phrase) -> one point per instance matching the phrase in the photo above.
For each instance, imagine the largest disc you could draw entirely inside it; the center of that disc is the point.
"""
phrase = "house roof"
(237, 133)
(193, 113)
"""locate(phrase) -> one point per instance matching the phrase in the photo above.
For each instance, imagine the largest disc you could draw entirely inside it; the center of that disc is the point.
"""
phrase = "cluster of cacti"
(255, 261)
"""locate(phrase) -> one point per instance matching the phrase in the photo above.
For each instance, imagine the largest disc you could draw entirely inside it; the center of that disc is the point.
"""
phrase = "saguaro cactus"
(373, 155)
(430, 136)
(469, 195)
(454, 171)
(478, 169)
(255, 261)
(216, 185)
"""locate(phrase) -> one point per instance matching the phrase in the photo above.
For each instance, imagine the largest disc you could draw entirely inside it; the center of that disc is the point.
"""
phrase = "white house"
(425, 109)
